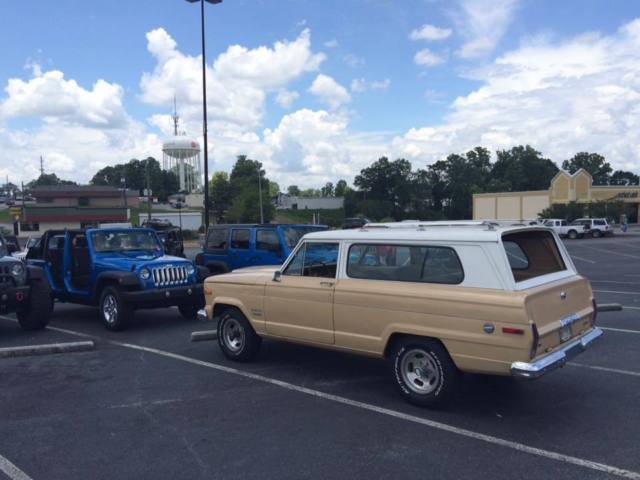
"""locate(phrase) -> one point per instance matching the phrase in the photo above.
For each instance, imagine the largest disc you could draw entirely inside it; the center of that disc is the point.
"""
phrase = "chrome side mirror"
(277, 276)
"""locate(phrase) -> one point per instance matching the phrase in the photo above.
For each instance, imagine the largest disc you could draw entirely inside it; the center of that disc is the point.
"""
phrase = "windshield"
(292, 235)
(125, 241)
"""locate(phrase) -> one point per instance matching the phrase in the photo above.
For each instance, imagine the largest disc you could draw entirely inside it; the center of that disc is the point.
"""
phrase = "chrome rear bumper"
(555, 359)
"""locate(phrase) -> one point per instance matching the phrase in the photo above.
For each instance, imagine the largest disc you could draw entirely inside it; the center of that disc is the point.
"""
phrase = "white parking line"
(611, 252)
(617, 291)
(583, 259)
(615, 281)
(11, 471)
(580, 462)
(623, 330)
(605, 369)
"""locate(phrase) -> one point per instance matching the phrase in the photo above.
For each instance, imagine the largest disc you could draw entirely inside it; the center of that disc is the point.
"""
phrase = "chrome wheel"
(110, 309)
(233, 335)
(420, 371)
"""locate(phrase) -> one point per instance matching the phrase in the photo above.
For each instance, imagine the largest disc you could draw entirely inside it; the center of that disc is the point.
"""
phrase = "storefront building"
(564, 188)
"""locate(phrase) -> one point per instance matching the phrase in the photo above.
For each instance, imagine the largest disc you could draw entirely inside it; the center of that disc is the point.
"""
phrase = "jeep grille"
(169, 275)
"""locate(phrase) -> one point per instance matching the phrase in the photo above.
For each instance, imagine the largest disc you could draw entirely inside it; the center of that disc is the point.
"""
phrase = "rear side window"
(532, 254)
(405, 263)
(598, 222)
(240, 239)
(267, 240)
(217, 239)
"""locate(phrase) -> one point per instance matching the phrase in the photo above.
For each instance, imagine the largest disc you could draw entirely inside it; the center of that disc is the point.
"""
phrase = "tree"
(620, 177)
(220, 195)
(48, 179)
(593, 163)
(386, 181)
(341, 188)
(244, 190)
(327, 190)
(134, 172)
(521, 168)
(293, 190)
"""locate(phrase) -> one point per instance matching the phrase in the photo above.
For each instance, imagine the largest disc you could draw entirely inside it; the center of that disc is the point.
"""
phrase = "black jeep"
(24, 290)
(169, 235)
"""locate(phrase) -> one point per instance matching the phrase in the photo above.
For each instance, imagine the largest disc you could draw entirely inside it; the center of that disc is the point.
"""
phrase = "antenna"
(41, 166)
(175, 117)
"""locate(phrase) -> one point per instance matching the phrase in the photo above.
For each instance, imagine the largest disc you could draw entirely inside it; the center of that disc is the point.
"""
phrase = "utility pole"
(260, 194)
(148, 190)
(41, 166)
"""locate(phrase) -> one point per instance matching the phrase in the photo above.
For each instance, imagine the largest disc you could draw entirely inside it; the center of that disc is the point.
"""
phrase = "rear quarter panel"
(368, 312)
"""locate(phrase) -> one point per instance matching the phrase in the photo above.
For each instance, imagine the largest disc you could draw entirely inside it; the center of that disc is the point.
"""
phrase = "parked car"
(433, 302)
(23, 290)
(597, 227)
(355, 222)
(170, 236)
(12, 244)
(118, 270)
(564, 229)
(228, 247)
(22, 254)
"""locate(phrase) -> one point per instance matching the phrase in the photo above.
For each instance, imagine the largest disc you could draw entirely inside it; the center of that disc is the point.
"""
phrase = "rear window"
(405, 263)
(532, 254)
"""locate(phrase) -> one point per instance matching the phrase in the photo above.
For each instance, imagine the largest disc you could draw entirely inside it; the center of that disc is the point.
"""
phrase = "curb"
(204, 335)
(47, 349)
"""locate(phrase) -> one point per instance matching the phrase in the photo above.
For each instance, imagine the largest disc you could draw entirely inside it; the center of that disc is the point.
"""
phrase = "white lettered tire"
(423, 371)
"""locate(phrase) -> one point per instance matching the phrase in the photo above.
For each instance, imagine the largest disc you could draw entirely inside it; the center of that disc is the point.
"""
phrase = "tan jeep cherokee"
(434, 300)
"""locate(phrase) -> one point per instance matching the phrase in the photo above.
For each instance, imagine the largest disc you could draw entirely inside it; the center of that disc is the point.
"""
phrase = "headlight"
(191, 269)
(17, 270)
(145, 274)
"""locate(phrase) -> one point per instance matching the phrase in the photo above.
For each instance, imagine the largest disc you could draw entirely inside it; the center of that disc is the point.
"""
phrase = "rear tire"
(424, 372)
(237, 338)
(114, 312)
(596, 234)
(572, 234)
(188, 311)
(37, 313)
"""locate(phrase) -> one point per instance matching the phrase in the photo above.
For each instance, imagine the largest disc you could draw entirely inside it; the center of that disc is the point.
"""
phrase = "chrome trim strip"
(555, 359)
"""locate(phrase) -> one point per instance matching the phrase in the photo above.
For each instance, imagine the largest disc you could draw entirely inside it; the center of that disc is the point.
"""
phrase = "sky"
(316, 90)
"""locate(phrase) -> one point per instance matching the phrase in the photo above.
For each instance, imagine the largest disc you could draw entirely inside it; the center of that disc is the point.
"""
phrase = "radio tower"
(175, 117)
(41, 166)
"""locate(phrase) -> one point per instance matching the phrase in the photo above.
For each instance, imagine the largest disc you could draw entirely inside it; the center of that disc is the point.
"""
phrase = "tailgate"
(560, 311)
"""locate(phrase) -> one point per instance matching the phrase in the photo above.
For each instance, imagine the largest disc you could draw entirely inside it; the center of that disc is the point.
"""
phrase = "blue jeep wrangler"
(228, 247)
(119, 270)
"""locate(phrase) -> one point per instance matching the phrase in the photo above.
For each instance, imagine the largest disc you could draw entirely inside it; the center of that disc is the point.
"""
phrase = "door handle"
(327, 284)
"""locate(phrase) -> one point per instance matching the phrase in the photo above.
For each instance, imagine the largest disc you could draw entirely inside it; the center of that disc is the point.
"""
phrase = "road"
(147, 403)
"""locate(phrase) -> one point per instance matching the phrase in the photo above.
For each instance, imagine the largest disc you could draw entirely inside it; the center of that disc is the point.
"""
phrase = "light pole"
(204, 113)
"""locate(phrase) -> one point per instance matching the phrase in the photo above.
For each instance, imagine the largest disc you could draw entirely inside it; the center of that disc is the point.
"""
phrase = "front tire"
(114, 312)
(236, 337)
(37, 313)
(424, 372)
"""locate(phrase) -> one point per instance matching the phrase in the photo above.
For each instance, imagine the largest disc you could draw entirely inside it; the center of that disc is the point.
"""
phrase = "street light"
(204, 113)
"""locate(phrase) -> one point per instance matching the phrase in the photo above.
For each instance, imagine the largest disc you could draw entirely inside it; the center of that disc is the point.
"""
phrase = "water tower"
(181, 155)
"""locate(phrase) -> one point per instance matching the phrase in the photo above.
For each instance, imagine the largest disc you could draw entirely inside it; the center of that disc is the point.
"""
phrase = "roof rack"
(488, 224)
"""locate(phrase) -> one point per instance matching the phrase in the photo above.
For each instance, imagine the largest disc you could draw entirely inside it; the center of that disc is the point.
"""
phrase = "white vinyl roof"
(467, 233)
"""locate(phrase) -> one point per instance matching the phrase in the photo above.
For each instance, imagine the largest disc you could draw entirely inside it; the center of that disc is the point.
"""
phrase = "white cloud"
(430, 32)
(579, 95)
(49, 96)
(285, 98)
(427, 58)
(329, 91)
(360, 85)
(353, 61)
(237, 83)
(483, 23)
(333, 43)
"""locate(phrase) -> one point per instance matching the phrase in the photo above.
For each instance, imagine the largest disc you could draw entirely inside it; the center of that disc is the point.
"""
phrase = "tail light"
(536, 339)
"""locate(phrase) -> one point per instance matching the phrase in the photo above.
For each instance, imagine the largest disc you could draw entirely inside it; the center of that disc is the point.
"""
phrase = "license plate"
(565, 333)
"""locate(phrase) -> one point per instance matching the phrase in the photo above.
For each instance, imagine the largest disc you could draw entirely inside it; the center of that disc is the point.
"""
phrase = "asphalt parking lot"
(148, 403)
